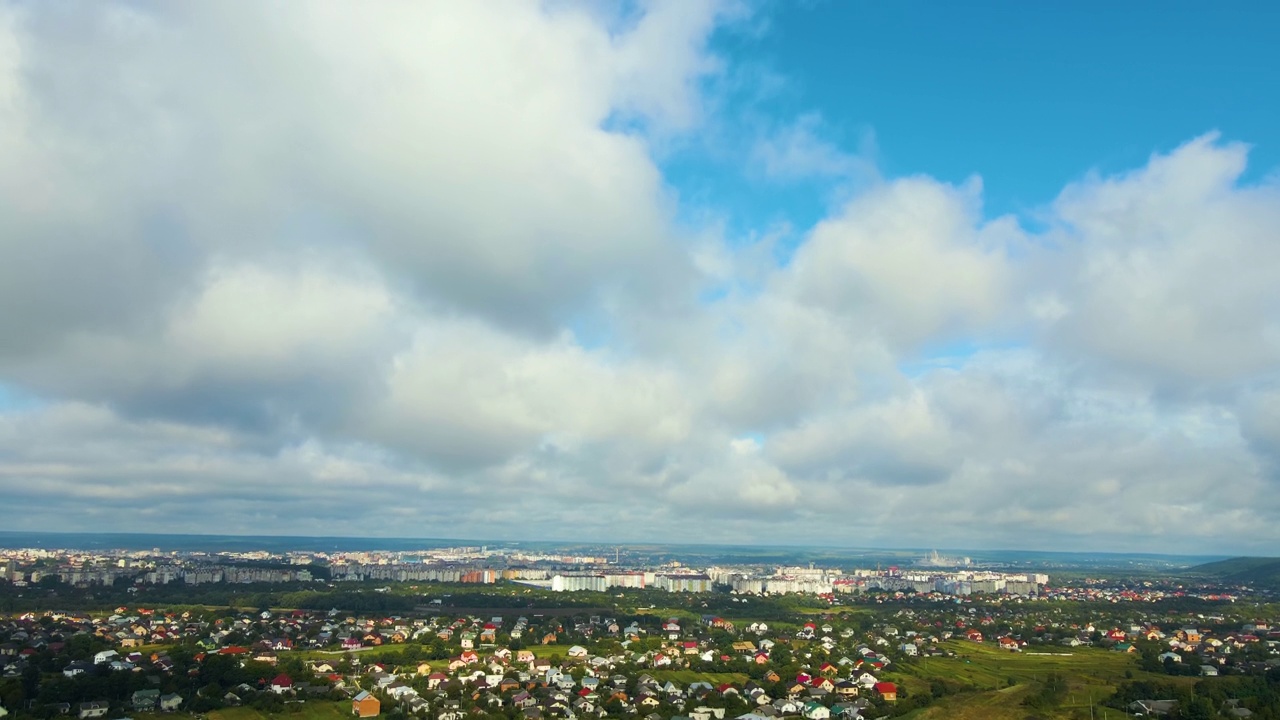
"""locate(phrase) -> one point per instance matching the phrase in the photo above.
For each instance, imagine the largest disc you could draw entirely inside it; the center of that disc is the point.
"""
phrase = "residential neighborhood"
(578, 637)
(564, 664)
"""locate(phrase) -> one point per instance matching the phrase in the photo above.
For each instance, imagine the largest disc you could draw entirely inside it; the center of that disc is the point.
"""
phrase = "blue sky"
(1028, 96)
(889, 274)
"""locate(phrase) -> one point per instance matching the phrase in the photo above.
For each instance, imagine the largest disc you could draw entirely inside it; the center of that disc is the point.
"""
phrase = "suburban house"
(1153, 707)
(281, 683)
(95, 709)
(78, 667)
(887, 690)
(365, 705)
(145, 700)
(816, 711)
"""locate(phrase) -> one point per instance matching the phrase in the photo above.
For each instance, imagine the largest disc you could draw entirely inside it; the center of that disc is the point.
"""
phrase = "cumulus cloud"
(464, 393)
(161, 134)
(249, 346)
(420, 270)
(907, 260)
(1167, 272)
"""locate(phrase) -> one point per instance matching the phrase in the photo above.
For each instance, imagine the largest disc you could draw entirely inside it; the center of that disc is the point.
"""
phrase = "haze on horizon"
(872, 275)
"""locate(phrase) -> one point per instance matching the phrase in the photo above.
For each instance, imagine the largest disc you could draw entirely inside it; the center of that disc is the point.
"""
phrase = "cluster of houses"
(580, 667)
(142, 701)
(588, 684)
(571, 682)
(1255, 647)
(1213, 644)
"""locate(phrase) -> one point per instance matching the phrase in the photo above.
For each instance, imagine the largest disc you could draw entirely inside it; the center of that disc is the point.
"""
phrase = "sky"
(958, 275)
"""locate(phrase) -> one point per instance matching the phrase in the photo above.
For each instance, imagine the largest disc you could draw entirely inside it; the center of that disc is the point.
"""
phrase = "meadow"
(997, 684)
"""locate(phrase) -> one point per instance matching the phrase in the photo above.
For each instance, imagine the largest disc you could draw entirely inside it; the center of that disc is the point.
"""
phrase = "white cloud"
(907, 261)
(163, 133)
(260, 262)
(249, 315)
(799, 151)
(467, 394)
(1168, 272)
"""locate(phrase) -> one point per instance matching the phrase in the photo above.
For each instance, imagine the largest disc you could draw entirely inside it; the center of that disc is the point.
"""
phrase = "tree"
(1197, 708)
(12, 693)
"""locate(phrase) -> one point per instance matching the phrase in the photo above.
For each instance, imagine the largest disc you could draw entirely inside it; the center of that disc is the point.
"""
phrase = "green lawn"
(546, 651)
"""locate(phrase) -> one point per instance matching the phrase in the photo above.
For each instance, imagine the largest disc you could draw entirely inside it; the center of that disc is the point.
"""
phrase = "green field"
(987, 667)
(311, 710)
(999, 681)
(1003, 704)
(546, 651)
(1007, 704)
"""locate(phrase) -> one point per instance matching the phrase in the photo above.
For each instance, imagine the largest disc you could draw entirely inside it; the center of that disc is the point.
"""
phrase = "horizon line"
(496, 541)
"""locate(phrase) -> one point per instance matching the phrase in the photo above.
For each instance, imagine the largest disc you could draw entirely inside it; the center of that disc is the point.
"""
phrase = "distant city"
(569, 570)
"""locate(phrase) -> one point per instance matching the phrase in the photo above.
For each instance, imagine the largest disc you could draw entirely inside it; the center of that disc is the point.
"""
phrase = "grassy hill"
(999, 683)
(1244, 570)
(986, 667)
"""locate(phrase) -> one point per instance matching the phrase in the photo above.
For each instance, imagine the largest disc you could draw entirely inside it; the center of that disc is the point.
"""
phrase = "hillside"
(1244, 570)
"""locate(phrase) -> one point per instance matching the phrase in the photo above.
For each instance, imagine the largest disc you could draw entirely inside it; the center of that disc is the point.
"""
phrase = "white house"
(817, 711)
